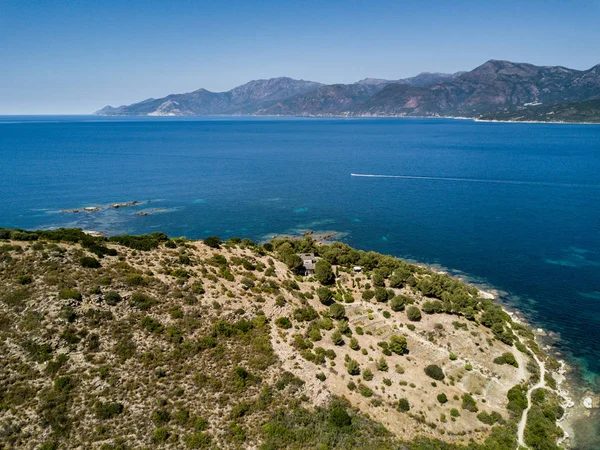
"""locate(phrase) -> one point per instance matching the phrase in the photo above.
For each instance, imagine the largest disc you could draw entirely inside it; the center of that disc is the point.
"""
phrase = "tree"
(323, 272)
(325, 295)
(378, 280)
(337, 311)
(337, 338)
(293, 261)
(353, 367)
(398, 344)
(381, 294)
(397, 303)
(413, 313)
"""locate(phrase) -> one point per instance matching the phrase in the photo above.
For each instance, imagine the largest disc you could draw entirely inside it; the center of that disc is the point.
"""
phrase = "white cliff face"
(168, 108)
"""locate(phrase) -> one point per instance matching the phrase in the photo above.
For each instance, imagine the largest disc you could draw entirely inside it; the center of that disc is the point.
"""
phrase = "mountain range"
(496, 90)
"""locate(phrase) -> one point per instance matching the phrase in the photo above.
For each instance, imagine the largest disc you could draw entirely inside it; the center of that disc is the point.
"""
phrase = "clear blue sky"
(77, 56)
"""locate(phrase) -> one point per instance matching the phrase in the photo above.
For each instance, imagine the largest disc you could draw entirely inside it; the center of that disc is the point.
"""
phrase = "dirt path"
(538, 385)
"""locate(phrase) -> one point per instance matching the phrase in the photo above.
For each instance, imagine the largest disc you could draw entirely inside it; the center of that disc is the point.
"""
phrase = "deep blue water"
(524, 216)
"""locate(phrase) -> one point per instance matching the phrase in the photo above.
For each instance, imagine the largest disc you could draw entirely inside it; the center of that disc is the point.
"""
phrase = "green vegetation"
(158, 342)
(413, 313)
(434, 372)
(507, 358)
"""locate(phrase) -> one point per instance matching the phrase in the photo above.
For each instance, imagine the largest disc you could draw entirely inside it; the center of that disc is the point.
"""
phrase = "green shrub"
(108, 410)
(161, 434)
(151, 325)
(454, 412)
(338, 417)
(469, 403)
(413, 313)
(142, 301)
(435, 372)
(112, 298)
(337, 311)
(367, 374)
(398, 303)
(507, 358)
(305, 314)
(398, 344)
(213, 242)
(442, 398)
(365, 391)
(325, 295)
(403, 405)
(368, 294)
(89, 262)
(25, 279)
(283, 322)
(336, 338)
(70, 294)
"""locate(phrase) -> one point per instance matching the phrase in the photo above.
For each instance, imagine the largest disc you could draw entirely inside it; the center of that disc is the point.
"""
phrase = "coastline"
(361, 116)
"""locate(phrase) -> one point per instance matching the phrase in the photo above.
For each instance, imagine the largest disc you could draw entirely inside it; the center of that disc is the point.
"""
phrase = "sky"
(74, 57)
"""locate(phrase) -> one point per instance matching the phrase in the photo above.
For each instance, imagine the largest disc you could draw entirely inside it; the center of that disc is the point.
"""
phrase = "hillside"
(575, 112)
(495, 87)
(147, 342)
(240, 100)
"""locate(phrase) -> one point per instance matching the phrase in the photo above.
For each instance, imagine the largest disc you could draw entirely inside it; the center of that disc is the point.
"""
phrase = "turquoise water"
(515, 205)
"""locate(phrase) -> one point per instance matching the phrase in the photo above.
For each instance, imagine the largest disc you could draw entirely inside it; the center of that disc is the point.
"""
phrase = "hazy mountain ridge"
(494, 87)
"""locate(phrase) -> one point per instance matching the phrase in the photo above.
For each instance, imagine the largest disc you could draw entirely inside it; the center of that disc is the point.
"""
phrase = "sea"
(513, 207)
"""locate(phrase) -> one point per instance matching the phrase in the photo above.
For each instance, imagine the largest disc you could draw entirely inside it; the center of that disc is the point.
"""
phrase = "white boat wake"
(478, 180)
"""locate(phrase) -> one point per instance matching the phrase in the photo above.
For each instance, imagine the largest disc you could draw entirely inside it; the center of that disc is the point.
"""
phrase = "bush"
(112, 298)
(283, 322)
(413, 313)
(25, 279)
(382, 365)
(507, 358)
(353, 367)
(442, 398)
(337, 311)
(398, 344)
(365, 391)
(108, 410)
(89, 262)
(142, 242)
(434, 372)
(403, 405)
(368, 294)
(397, 303)
(469, 403)
(213, 242)
(434, 307)
(325, 295)
(70, 294)
(454, 412)
(338, 417)
(142, 301)
(336, 338)
(305, 314)
(367, 374)
(381, 294)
